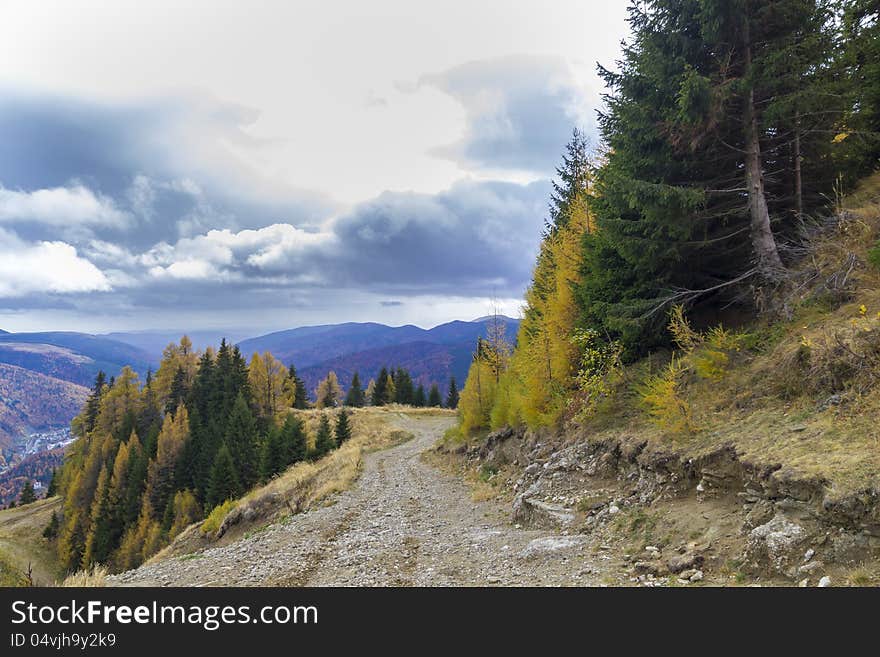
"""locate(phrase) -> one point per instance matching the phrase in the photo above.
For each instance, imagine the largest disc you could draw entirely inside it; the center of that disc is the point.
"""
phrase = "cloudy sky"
(268, 164)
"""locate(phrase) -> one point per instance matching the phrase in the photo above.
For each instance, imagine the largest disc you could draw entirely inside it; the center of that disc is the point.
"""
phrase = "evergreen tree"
(403, 387)
(269, 456)
(355, 396)
(380, 390)
(52, 490)
(434, 398)
(301, 396)
(419, 398)
(27, 495)
(224, 484)
(343, 427)
(93, 403)
(701, 129)
(178, 391)
(51, 530)
(323, 439)
(241, 439)
(452, 394)
(293, 441)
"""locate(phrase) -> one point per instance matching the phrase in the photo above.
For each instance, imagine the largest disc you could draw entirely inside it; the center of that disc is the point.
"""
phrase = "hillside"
(30, 401)
(431, 355)
(71, 356)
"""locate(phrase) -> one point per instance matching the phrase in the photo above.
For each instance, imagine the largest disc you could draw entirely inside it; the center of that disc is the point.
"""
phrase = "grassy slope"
(22, 543)
(775, 409)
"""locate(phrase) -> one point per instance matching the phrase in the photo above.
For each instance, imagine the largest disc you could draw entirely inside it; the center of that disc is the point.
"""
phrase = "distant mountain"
(70, 356)
(431, 355)
(31, 402)
(153, 343)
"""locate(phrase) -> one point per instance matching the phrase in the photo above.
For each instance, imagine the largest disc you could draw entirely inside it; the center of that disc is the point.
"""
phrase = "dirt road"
(404, 523)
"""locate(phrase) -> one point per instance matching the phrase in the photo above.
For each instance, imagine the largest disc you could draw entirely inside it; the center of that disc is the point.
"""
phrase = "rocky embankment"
(679, 519)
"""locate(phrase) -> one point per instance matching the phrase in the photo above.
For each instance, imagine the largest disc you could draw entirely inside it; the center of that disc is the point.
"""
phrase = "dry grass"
(93, 577)
(22, 543)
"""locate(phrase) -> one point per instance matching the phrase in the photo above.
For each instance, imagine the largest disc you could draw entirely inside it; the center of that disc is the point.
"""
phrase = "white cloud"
(60, 206)
(45, 267)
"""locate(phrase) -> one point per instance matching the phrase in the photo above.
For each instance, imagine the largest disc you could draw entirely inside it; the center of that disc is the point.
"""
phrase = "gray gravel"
(403, 523)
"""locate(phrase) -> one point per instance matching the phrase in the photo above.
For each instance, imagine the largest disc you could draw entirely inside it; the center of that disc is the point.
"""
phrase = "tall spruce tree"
(224, 484)
(703, 105)
(323, 439)
(301, 395)
(241, 439)
(343, 427)
(434, 398)
(420, 399)
(27, 494)
(355, 396)
(380, 390)
(452, 394)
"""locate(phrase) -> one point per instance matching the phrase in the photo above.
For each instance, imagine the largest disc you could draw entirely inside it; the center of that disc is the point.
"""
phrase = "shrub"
(661, 394)
(215, 518)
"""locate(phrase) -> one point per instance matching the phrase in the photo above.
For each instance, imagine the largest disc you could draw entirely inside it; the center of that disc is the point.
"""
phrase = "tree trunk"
(798, 189)
(763, 243)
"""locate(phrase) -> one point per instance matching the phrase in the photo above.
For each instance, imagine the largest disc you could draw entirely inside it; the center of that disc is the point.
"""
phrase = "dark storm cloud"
(470, 239)
(148, 158)
(520, 111)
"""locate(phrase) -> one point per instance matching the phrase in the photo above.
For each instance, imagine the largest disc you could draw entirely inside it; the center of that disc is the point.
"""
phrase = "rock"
(700, 487)
(686, 574)
(648, 568)
(824, 582)
(760, 513)
(804, 583)
(613, 509)
(773, 543)
(809, 554)
(533, 512)
(651, 548)
(551, 545)
(810, 567)
(688, 560)
(493, 579)
(697, 576)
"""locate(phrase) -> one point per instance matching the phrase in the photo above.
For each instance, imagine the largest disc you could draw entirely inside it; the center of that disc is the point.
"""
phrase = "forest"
(150, 459)
(730, 132)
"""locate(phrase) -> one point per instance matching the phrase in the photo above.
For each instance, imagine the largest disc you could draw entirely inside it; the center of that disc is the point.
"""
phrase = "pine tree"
(301, 396)
(355, 396)
(323, 439)
(52, 489)
(699, 180)
(380, 390)
(224, 484)
(293, 441)
(272, 457)
(343, 427)
(90, 415)
(434, 398)
(452, 394)
(178, 392)
(403, 387)
(27, 495)
(241, 439)
(51, 530)
(419, 398)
